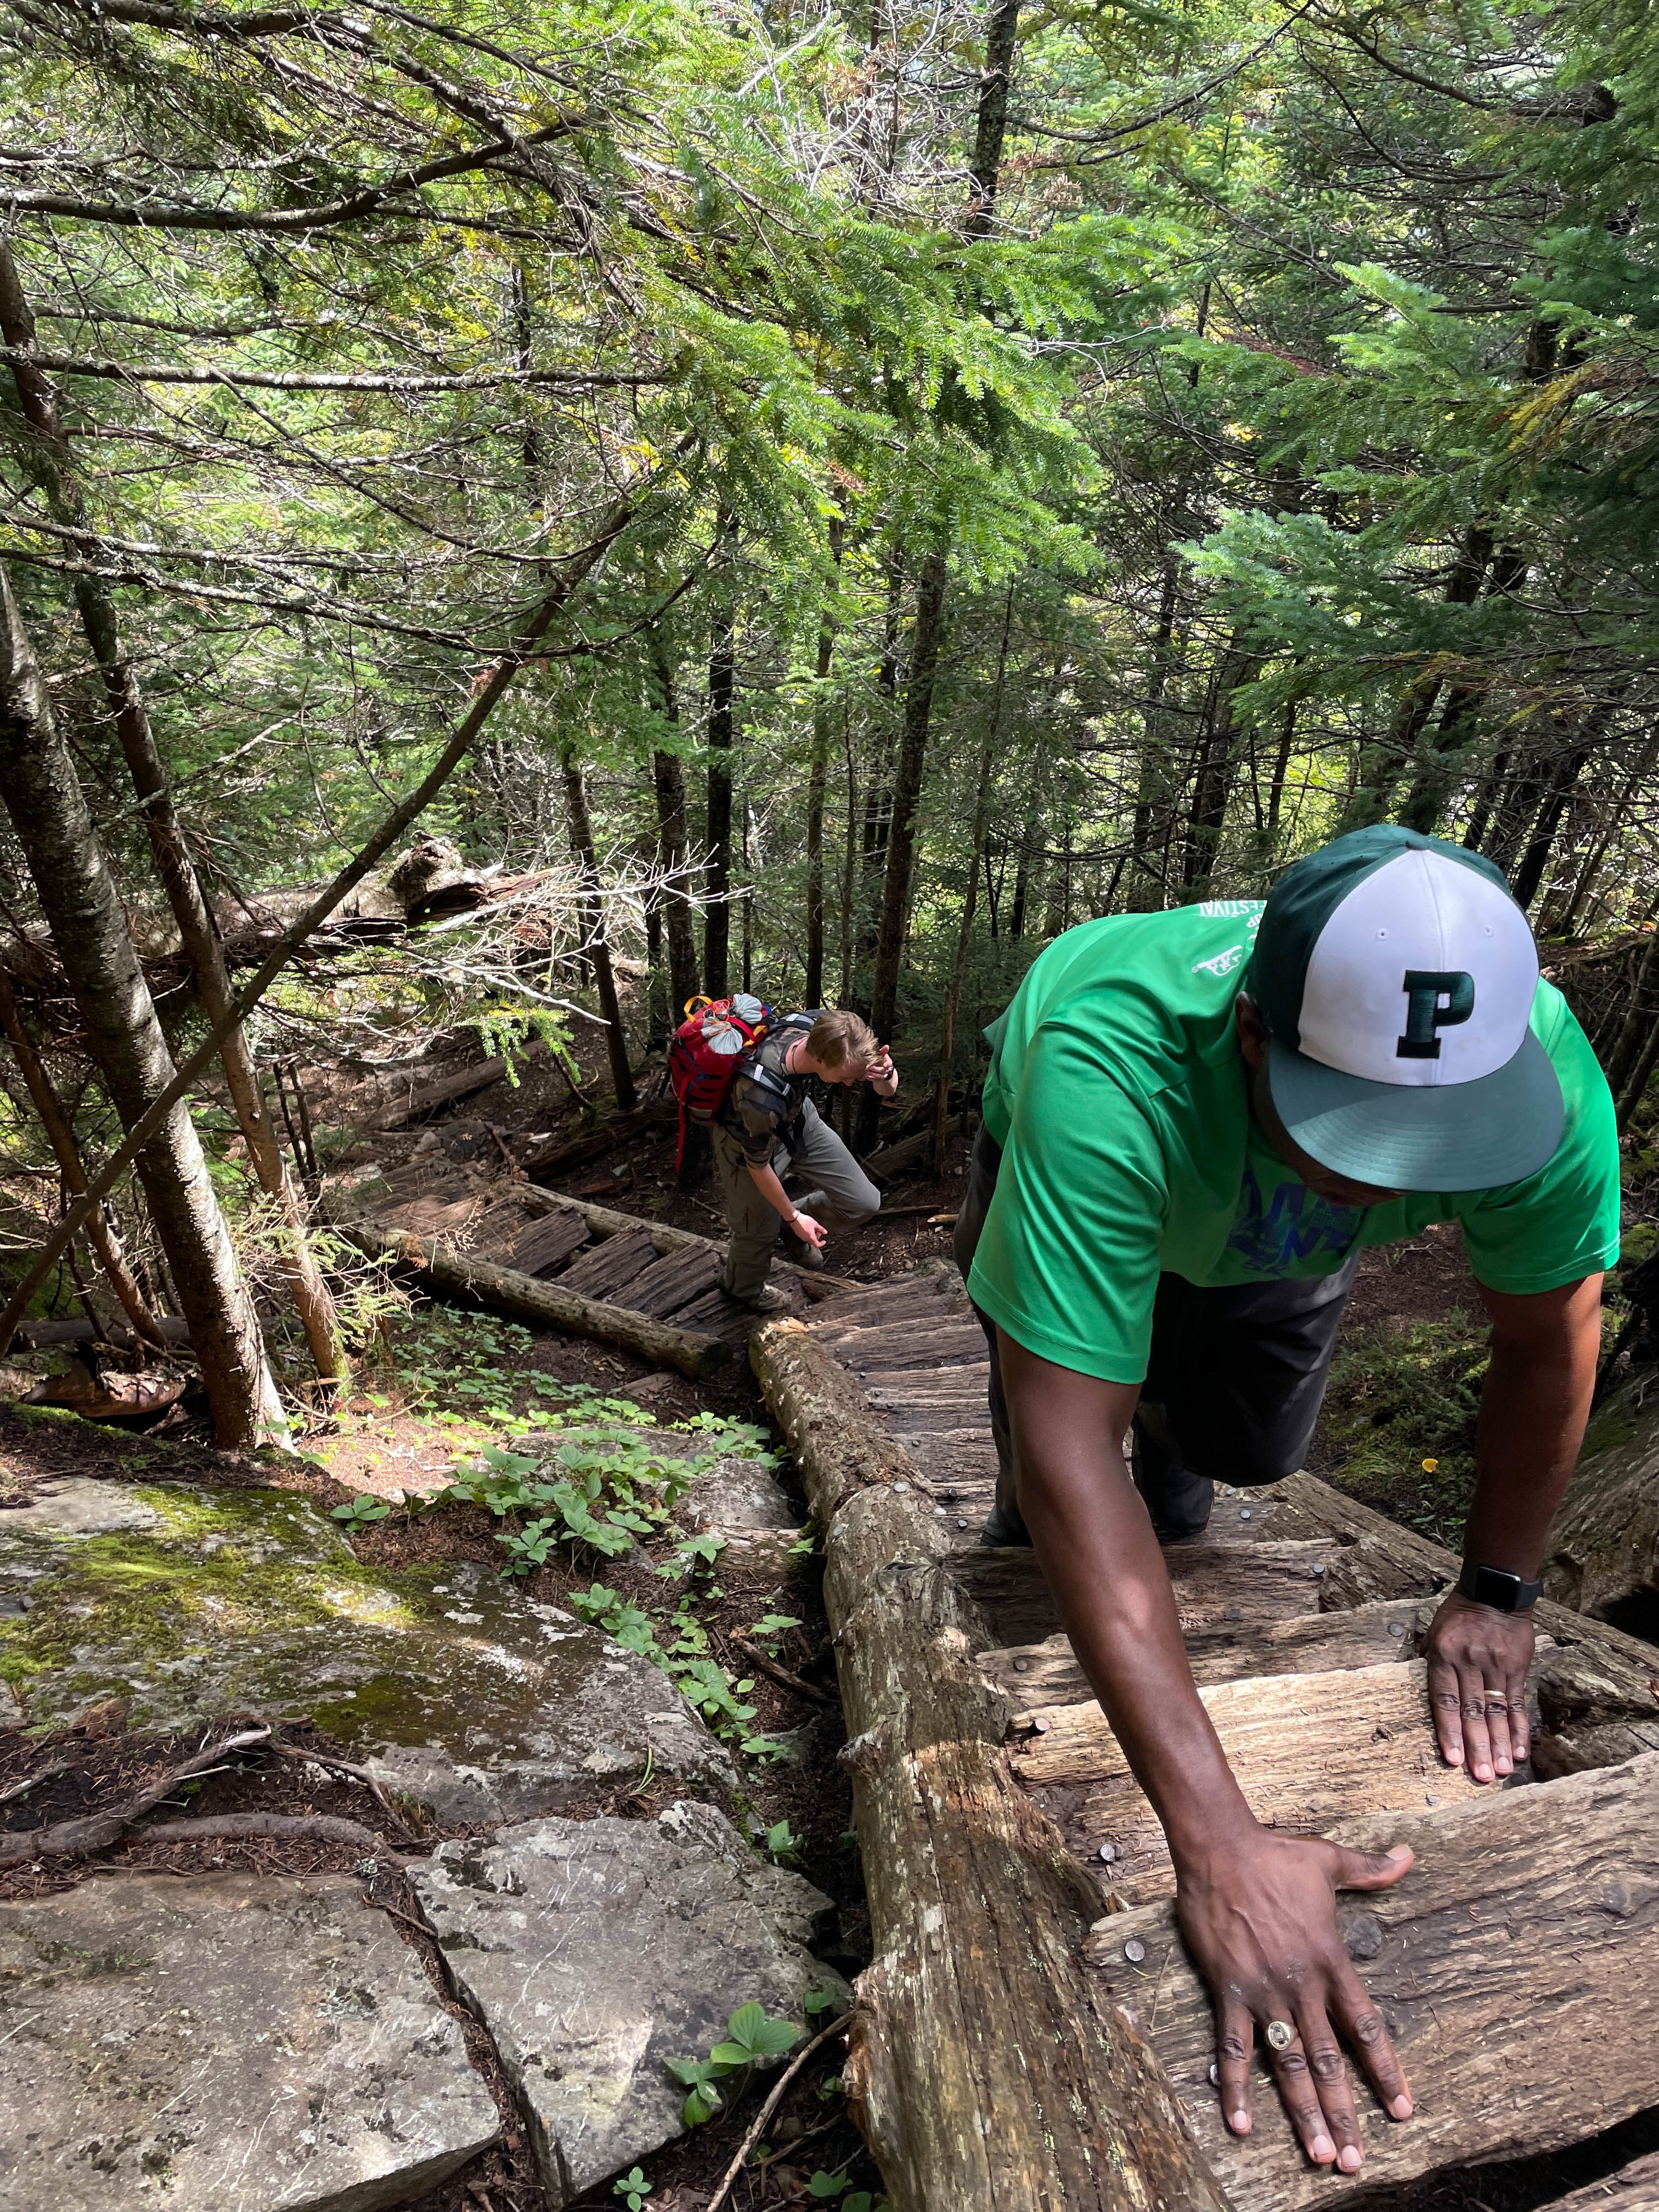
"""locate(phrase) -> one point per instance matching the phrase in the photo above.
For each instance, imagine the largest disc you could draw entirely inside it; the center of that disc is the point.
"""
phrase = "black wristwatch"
(1502, 1592)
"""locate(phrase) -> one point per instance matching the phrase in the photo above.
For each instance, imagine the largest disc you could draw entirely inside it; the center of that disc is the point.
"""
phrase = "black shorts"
(1233, 1389)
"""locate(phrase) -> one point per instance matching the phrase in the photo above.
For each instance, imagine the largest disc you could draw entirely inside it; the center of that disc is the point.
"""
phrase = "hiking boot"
(1179, 1501)
(1004, 1531)
(764, 1300)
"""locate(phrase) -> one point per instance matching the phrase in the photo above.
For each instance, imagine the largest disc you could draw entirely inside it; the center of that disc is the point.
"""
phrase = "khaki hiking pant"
(820, 1162)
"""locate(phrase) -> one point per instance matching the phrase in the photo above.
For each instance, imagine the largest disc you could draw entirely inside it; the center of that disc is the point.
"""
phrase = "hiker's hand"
(1259, 1918)
(810, 1231)
(882, 1071)
(1478, 1665)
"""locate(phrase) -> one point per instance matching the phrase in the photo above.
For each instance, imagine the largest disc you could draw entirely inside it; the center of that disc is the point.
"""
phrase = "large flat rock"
(233, 2043)
(452, 1685)
(594, 1950)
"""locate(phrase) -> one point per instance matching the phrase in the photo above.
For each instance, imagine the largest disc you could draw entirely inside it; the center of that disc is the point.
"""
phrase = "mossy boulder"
(1604, 1547)
(456, 1688)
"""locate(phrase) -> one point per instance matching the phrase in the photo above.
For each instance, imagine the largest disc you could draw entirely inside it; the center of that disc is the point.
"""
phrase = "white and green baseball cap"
(1395, 976)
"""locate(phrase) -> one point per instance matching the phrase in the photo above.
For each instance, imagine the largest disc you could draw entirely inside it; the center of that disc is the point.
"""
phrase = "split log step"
(949, 1343)
(1215, 1586)
(1037, 1675)
(1517, 1968)
(542, 1247)
(603, 1271)
(674, 1281)
(1310, 1751)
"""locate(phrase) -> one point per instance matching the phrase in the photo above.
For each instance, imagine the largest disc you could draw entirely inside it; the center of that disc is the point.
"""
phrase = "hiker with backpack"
(746, 1073)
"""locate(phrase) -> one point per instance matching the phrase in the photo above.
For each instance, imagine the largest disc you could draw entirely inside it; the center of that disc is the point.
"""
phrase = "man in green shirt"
(1194, 1122)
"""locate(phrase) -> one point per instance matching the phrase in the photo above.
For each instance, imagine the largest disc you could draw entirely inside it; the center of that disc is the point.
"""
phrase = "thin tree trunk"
(60, 1133)
(673, 845)
(1643, 1009)
(1441, 764)
(1615, 817)
(1212, 786)
(907, 791)
(947, 1043)
(817, 782)
(598, 943)
(1533, 861)
(198, 936)
(722, 692)
(89, 924)
(1640, 1076)
(848, 865)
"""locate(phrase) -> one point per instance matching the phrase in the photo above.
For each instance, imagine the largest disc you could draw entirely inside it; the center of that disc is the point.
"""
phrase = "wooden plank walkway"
(1050, 2044)
(640, 1266)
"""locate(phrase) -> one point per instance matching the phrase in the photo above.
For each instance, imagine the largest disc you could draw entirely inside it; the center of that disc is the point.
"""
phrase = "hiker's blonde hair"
(839, 1035)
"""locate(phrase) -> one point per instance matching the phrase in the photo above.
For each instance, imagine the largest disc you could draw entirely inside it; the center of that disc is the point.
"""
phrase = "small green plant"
(832, 2187)
(752, 2038)
(784, 1845)
(767, 1630)
(816, 2002)
(360, 1511)
(634, 2187)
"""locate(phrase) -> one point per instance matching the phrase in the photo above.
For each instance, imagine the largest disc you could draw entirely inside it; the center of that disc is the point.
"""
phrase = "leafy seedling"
(752, 2036)
(634, 2187)
(698, 2077)
(361, 1510)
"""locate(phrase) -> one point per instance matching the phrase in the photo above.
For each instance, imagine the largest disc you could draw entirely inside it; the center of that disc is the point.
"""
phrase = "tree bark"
(722, 737)
(88, 926)
(598, 943)
(817, 782)
(902, 835)
(980, 2069)
(1212, 786)
(673, 845)
(965, 928)
(60, 1133)
(199, 939)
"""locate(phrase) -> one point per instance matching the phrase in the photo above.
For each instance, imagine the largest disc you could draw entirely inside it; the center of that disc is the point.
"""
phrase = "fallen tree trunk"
(1604, 1547)
(982, 2070)
(39, 1335)
(604, 1221)
(890, 1160)
(577, 1151)
(526, 1299)
(444, 1092)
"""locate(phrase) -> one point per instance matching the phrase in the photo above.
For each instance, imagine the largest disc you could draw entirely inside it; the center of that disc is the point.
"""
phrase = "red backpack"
(703, 1055)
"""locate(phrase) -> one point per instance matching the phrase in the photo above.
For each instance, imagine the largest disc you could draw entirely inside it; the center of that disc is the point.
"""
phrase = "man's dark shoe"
(1002, 1531)
(1179, 1501)
(764, 1300)
(799, 1252)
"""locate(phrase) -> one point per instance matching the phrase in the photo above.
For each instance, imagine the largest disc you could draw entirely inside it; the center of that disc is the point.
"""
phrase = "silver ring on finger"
(1280, 2035)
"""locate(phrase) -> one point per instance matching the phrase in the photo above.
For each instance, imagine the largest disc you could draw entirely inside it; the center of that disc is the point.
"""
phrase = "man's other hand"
(1260, 1918)
(808, 1230)
(1478, 1665)
(882, 1071)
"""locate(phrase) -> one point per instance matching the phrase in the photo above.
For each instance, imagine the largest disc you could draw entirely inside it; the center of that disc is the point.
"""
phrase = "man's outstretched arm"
(1257, 1909)
(1545, 1348)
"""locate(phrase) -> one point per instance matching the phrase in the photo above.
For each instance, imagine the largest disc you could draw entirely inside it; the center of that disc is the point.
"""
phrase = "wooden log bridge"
(561, 1263)
(1030, 2035)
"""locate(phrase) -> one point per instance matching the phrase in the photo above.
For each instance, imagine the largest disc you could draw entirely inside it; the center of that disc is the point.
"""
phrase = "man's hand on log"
(1479, 1660)
(1259, 1918)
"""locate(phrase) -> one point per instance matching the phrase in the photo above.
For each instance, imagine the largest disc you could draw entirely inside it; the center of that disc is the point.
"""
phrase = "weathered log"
(1309, 1751)
(1037, 1675)
(890, 1160)
(109, 1397)
(1604, 1547)
(505, 1291)
(1517, 1968)
(980, 2069)
(1633, 2189)
(577, 1151)
(1376, 1558)
(604, 1221)
(76, 1328)
(1214, 1584)
(463, 1084)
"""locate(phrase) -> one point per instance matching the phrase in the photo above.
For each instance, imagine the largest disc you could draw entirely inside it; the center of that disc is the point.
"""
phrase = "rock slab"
(232, 2042)
(453, 1685)
(594, 1951)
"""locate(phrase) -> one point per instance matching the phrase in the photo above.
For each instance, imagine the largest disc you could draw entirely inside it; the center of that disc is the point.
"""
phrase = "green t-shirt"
(1118, 1095)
